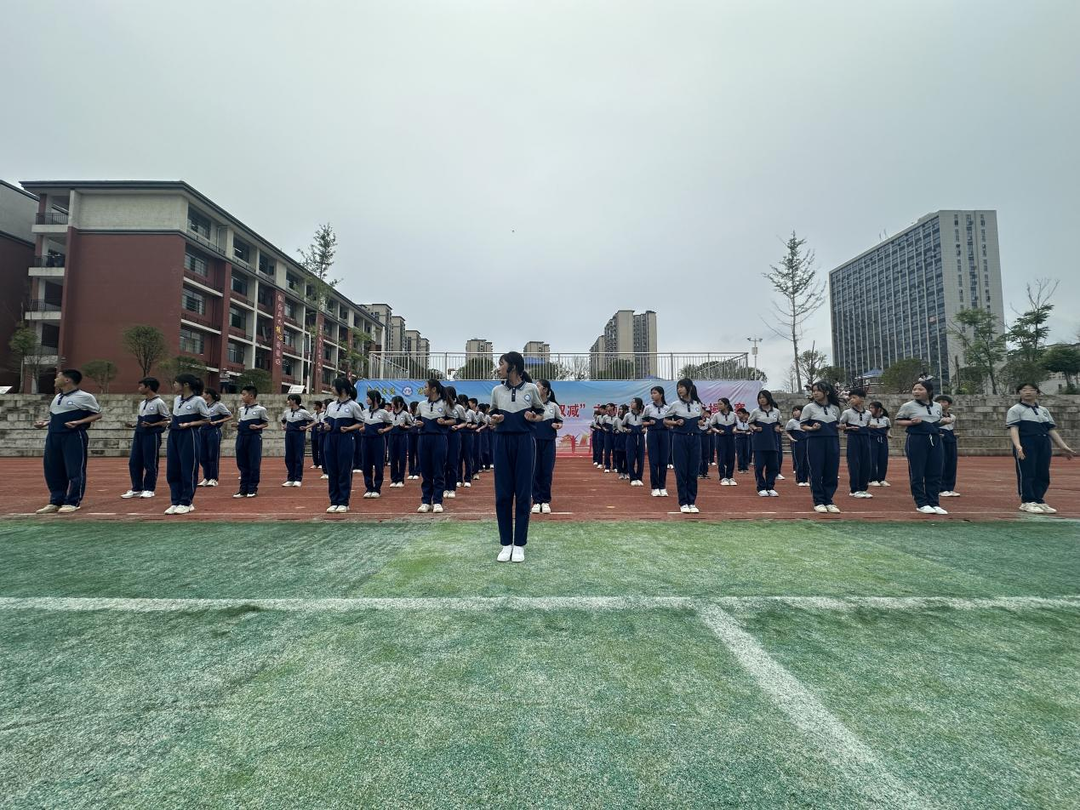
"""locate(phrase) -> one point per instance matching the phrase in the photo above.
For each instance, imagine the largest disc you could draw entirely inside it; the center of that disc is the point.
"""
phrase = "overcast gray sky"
(520, 170)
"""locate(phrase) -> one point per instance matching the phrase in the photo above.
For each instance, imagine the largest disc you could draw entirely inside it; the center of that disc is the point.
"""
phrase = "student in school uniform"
(413, 440)
(657, 441)
(296, 420)
(315, 429)
(487, 436)
(722, 424)
(743, 433)
(706, 443)
(468, 431)
(547, 438)
(189, 413)
(820, 419)
(477, 429)
(634, 427)
(251, 420)
(879, 444)
(210, 438)
(515, 408)
(401, 426)
(619, 431)
(1031, 431)
(67, 444)
(797, 437)
(153, 416)
(341, 425)
(436, 417)
(682, 419)
(607, 424)
(948, 447)
(855, 424)
(765, 424)
(780, 454)
(377, 423)
(452, 474)
(595, 442)
(320, 428)
(921, 417)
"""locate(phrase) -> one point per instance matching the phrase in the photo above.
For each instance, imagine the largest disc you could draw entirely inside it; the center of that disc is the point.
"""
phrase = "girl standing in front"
(402, 422)
(855, 422)
(819, 421)
(922, 447)
(682, 418)
(1031, 430)
(436, 416)
(879, 444)
(189, 413)
(657, 441)
(344, 417)
(547, 437)
(633, 424)
(765, 422)
(798, 447)
(723, 425)
(377, 423)
(296, 420)
(515, 407)
(210, 438)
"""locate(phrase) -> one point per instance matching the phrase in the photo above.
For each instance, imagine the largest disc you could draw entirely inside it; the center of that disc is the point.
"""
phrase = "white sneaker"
(1046, 509)
(832, 508)
(1031, 507)
(287, 484)
(607, 471)
(779, 477)
(927, 510)
(146, 494)
(467, 485)
(424, 508)
(324, 477)
(202, 483)
(451, 494)
(251, 494)
(376, 494)
(239, 495)
(437, 508)
(939, 511)
(821, 508)
(213, 482)
(656, 493)
(663, 493)
(504, 554)
(671, 466)
(861, 495)
(875, 483)
(67, 509)
(952, 493)
(536, 509)
(885, 483)
(732, 482)
(171, 510)
(693, 509)
(763, 493)
(367, 494)
(518, 554)
(314, 467)
(331, 509)
(342, 509)
(545, 508)
(724, 482)
(684, 508)
(134, 493)
(182, 510)
(297, 483)
(773, 493)
(360, 472)
(804, 484)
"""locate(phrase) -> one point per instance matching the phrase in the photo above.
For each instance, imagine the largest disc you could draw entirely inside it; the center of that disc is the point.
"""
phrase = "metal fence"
(567, 366)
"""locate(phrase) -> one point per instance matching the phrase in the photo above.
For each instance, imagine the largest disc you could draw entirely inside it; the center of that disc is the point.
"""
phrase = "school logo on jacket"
(528, 397)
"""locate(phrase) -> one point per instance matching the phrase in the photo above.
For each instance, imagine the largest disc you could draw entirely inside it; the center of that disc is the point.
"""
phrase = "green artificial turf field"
(649, 664)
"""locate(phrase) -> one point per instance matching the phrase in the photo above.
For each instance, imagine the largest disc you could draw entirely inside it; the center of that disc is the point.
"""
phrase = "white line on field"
(847, 752)
(481, 603)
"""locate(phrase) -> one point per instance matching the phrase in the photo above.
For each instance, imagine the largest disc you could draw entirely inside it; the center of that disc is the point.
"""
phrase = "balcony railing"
(51, 218)
(40, 305)
(240, 262)
(54, 260)
(206, 241)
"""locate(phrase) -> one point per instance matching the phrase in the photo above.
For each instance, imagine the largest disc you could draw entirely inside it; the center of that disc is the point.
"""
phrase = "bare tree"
(317, 260)
(578, 368)
(801, 295)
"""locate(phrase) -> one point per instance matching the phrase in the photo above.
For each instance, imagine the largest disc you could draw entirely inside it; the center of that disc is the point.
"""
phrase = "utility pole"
(754, 341)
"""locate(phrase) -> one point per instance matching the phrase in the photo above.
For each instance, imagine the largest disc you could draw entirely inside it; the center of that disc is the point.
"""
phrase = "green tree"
(477, 368)
(317, 260)
(801, 295)
(258, 377)
(1019, 370)
(103, 372)
(982, 341)
(1030, 330)
(27, 354)
(146, 343)
(550, 371)
(358, 349)
(832, 374)
(183, 364)
(901, 375)
(1063, 359)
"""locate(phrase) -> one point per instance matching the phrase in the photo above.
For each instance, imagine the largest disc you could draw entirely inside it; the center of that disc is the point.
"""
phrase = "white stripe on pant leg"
(838, 743)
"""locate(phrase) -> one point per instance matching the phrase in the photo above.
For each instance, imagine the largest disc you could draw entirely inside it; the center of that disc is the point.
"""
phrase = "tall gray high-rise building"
(900, 299)
(629, 337)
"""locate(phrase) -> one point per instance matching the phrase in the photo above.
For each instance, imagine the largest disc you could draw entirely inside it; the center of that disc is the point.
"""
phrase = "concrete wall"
(139, 212)
(980, 426)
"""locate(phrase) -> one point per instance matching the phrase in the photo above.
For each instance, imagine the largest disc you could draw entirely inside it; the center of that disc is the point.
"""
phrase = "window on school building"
(235, 353)
(240, 285)
(290, 309)
(289, 338)
(193, 301)
(266, 296)
(191, 342)
(198, 223)
(241, 251)
(237, 318)
(266, 265)
(287, 366)
(196, 264)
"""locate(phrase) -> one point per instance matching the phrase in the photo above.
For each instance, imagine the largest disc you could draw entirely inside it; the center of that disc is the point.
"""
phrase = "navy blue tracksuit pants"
(413, 437)
(879, 457)
(316, 445)
(182, 464)
(374, 460)
(398, 450)
(706, 454)
(798, 460)
(725, 456)
(432, 449)
(686, 450)
(925, 459)
(597, 438)
(823, 467)
(659, 444)
(609, 450)
(515, 455)
(543, 470)
(452, 474)
(635, 454)
(338, 450)
(858, 460)
(248, 459)
(143, 461)
(742, 450)
(1033, 472)
(65, 466)
(358, 453)
(948, 462)
(294, 454)
(210, 452)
